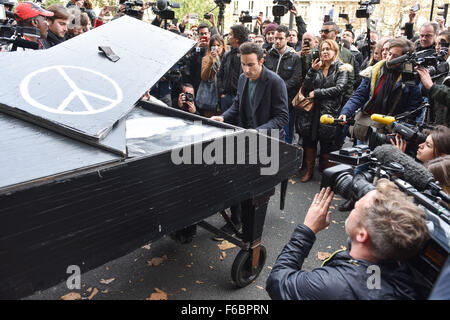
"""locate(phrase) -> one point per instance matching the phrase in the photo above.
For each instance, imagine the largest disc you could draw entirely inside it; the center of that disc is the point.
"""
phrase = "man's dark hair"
(251, 47)
(187, 85)
(202, 26)
(240, 32)
(60, 12)
(283, 29)
(353, 34)
(331, 23)
(406, 45)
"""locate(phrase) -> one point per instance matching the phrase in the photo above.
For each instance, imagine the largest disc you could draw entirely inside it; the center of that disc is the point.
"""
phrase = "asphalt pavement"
(201, 270)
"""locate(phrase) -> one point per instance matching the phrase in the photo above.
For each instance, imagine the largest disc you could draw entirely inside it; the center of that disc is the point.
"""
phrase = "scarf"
(385, 98)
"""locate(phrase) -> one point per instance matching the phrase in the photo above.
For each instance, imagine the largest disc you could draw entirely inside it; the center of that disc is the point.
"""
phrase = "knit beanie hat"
(271, 27)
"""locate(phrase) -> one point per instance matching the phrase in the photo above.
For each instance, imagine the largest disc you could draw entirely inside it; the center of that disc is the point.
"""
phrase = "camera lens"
(343, 185)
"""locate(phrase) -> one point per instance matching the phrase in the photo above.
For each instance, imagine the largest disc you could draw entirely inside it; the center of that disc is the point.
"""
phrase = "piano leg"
(249, 262)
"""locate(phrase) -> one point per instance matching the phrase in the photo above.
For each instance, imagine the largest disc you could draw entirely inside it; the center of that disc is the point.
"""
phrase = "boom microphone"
(415, 173)
(380, 118)
(328, 119)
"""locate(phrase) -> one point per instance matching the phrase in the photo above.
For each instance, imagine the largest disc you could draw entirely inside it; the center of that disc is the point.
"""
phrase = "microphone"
(381, 118)
(328, 119)
(398, 60)
(415, 173)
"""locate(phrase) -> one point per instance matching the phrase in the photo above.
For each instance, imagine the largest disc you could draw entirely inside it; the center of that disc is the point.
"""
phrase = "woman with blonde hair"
(325, 82)
(210, 66)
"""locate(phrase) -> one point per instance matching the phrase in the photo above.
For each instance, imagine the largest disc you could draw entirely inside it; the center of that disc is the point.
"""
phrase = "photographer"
(57, 25)
(382, 92)
(195, 60)
(28, 14)
(437, 144)
(284, 61)
(439, 95)
(427, 44)
(385, 229)
(301, 27)
(186, 99)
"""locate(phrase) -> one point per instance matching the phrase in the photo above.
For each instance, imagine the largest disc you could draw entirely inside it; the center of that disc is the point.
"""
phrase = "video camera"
(246, 17)
(15, 35)
(382, 163)
(435, 64)
(410, 133)
(366, 8)
(282, 7)
(162, 9)
(132, 8)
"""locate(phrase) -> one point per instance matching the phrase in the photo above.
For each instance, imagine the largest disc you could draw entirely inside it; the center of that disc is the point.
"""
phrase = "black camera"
(409, 132)
(162, 9)
(246, 17)
(282, 7)
(131, 8)
(207, 16)
(189, 97)
(435, 64)
(354, 184)
(366, 8)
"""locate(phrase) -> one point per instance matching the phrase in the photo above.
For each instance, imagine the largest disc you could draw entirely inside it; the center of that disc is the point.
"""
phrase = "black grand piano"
(88, 175)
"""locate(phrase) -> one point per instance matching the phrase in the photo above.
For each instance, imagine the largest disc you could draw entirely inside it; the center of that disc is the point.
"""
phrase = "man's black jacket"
(341, 278)
(288, 66)
(229, 72)
(52, 40)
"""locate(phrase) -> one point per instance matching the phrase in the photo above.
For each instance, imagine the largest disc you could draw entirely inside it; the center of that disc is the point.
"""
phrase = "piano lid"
(75, 90)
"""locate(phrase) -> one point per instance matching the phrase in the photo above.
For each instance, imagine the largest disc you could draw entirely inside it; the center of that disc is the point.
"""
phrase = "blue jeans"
(226, 102)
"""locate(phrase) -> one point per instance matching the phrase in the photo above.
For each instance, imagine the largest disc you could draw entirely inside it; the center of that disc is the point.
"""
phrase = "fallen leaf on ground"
(108, 281)
(183, 289)
(259, 287)
(147, 246)
(225, 245)
(323, 255)
(343, 247)
(94, 292)
(105, 291)
(158, 295)
(199, 282)
(292, 181)
(157, 261)
(223, 255)
(71, 296)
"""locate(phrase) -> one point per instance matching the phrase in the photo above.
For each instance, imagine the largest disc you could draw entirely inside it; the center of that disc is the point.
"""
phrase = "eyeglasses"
(326, 31)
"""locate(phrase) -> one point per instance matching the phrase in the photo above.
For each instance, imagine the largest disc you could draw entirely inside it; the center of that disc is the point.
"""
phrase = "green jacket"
(346, 57)
(440, 95)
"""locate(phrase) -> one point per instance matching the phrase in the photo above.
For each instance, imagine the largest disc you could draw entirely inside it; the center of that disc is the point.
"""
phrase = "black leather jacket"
(340, 278)
(229, 72)
(328, 95)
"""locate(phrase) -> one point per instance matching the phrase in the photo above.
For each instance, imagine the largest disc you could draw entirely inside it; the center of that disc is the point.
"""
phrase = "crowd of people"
(252, 78)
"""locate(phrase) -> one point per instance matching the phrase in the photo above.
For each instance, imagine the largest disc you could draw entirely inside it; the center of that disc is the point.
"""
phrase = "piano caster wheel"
(241, 271)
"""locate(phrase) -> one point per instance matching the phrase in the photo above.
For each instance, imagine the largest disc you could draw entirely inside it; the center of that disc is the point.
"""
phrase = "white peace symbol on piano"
(77, 92)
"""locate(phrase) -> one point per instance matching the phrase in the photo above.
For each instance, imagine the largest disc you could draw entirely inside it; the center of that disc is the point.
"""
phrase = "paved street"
(200, 270)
